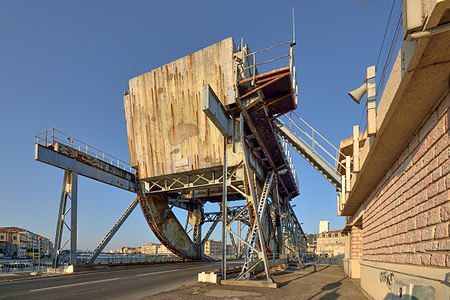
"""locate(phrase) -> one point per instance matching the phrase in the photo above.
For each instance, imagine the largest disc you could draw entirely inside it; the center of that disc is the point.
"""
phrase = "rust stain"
(181, 131)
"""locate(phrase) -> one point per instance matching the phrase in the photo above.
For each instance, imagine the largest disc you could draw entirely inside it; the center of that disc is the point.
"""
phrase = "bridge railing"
(50, 137)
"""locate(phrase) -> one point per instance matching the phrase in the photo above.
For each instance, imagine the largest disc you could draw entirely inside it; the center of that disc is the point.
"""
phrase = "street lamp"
(369, 89)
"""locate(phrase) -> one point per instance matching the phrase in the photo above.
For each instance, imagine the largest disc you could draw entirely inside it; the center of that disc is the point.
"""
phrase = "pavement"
(178, 281)
(129, 283)
(313, 282)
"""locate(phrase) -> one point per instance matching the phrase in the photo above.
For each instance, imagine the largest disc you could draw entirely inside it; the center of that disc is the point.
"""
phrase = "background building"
(324, 226)
(331, 243)
(21, 242)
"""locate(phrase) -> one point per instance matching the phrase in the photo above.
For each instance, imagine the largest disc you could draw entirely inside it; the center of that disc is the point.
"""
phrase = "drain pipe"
(429, 32)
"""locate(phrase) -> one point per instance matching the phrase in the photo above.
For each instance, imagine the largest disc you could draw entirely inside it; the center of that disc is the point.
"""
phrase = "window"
(2, 237)
(15, 237)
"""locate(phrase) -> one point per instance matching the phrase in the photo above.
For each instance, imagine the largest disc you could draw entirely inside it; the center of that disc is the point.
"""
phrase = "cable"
(385, 31)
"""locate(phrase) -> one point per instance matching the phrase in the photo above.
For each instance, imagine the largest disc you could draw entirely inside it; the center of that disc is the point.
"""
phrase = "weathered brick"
(425, 259)
(427, 233)
(420, 247)
(421, 220)
(436, 174)
(411, 224)
(445, 210)
(431, 246)
(432, 190)
(443, 197)
(446, 167)
(444, 245)
(442, 144)
(427, 205)
(419, 151)
(434, 216)
(438, 259)
(428, 157)
(442, 185)
(441, 231)
(433, 165)
(416, 259)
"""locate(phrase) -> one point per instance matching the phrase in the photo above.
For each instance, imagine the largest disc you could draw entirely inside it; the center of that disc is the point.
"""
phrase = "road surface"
(135, 283)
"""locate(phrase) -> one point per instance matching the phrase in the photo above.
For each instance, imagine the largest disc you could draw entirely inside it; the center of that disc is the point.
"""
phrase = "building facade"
(396, 193)
(155, 249)
(22, 242)
(331, 243)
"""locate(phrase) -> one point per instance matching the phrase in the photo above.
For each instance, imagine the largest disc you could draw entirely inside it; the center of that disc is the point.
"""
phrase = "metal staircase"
(316, 154)
(246, 268)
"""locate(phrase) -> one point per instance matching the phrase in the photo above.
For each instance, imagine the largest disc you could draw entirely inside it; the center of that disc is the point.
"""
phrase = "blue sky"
(67, 64)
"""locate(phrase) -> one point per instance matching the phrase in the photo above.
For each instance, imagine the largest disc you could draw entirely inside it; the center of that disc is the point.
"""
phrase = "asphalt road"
(135, 283)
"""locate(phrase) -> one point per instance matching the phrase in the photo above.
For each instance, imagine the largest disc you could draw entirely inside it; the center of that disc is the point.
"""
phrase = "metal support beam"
(112, 232)
(60, 219)
(224, 211)
(73, 220)
(69, 190)
(259, 207)
(197, 229)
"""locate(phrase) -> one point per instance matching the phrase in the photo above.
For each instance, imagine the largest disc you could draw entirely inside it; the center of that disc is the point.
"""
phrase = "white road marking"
(73, 284)
(110, 279)
(160, 272)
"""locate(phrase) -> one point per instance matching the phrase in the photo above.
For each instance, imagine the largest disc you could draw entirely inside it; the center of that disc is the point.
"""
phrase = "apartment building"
(331, 243)
(19, 241)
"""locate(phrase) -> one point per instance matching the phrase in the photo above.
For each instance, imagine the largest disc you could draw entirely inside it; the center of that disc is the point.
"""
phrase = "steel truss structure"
(268, 232)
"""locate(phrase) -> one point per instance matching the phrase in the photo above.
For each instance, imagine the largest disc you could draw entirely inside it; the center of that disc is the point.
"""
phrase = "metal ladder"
(246, 268)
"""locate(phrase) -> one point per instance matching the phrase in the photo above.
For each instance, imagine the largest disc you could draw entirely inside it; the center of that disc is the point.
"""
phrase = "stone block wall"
(407, 220)
(356, 243)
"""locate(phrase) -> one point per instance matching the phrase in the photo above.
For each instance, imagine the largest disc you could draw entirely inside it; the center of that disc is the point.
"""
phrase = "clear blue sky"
(67, 64)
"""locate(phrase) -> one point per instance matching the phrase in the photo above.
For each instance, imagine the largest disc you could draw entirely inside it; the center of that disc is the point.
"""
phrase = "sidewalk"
(314, 282)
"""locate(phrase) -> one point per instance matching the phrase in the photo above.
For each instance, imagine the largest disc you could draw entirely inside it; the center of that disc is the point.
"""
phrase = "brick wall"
(407, 218)
(356, 243)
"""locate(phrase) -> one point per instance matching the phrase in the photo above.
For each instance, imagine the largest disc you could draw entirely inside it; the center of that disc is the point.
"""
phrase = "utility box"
(167, 130)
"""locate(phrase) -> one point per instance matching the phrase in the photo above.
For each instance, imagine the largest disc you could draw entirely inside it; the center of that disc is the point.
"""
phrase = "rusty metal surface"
(165, 224)
(92, 161)
(73, 160)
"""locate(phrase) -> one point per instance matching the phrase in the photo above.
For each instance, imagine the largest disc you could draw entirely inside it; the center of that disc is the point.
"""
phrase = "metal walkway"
(295, 136)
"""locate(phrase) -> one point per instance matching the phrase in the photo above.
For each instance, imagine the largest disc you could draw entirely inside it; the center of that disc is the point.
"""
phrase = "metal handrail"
(314, 141)
(50, 136)
(254, 64)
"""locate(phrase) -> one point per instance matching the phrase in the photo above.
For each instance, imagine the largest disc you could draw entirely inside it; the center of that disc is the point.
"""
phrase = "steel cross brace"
(112, 232)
